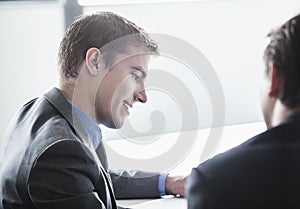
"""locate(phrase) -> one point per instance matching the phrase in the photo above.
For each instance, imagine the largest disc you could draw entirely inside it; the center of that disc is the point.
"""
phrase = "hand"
(175, 185)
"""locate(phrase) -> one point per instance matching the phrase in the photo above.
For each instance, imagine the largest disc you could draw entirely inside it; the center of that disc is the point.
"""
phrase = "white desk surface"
(231, 137)
(161, 203)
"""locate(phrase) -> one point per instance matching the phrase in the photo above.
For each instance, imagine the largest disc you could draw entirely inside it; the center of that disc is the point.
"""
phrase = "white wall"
(29, 39)
(229, 33)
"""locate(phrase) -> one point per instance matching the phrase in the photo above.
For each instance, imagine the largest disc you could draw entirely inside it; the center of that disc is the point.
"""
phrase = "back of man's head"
(283, 52)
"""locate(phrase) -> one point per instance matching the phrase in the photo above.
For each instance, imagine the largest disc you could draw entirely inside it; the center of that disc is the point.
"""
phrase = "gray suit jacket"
(47, 161)
(262, 173)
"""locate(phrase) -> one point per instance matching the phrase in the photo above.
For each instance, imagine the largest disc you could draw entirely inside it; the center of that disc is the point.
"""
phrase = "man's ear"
(94, 61)
(276, 81)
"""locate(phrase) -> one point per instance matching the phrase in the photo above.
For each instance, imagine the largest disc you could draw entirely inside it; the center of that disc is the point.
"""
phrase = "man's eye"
(136, 76)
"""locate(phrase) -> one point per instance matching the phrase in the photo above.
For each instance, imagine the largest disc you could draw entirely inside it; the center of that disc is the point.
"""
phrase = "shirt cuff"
(162, 183)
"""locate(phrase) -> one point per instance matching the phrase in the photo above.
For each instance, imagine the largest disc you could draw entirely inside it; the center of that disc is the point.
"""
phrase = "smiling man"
(53, 156)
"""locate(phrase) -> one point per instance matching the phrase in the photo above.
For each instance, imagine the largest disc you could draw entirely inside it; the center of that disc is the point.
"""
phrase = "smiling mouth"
(127, 105)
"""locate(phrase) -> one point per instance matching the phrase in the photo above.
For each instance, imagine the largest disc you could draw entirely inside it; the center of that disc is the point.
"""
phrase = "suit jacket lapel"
(61, 104)
(102, 155)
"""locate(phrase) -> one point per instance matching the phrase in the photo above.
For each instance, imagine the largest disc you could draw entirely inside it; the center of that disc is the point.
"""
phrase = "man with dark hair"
(53, 156)
(264, 171)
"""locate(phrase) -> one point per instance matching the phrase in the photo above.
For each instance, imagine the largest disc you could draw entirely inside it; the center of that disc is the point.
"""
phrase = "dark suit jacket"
(47, 161)
(263, 172)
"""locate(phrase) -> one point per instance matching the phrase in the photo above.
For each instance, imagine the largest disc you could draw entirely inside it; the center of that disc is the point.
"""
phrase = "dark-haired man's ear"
(276, 81)
(94, 61)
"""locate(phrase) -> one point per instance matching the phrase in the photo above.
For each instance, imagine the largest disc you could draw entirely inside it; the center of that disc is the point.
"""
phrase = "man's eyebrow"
(140, 69)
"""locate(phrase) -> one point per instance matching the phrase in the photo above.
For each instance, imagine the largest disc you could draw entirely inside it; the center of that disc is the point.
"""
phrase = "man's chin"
(115, 124)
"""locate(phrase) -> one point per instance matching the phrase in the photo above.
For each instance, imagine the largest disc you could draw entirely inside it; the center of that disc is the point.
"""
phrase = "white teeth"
(126, 105)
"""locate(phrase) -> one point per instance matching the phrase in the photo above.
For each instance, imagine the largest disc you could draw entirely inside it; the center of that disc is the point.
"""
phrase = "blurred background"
(231, 34)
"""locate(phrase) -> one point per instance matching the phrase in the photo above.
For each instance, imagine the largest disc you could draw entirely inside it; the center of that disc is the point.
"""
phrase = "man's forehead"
(132, 55)
(135, 52)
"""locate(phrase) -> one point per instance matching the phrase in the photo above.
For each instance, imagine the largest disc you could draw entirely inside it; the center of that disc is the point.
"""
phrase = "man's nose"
(140, 96)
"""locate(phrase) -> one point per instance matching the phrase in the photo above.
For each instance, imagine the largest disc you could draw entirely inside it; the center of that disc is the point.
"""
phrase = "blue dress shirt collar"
(90, 126)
